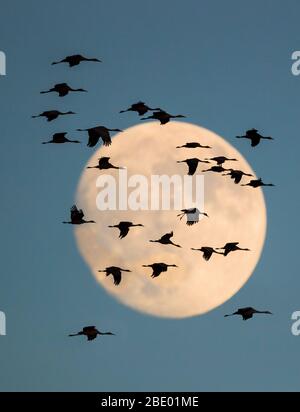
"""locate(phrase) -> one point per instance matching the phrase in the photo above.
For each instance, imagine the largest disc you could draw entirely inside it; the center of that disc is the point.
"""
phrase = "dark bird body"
(52, 114)
(116, 273)
(207, 252)
(95, 133)
(104, 164)
(162, 116)
(247, 313)
(60, 138)
(192, 215)
(62, 89)
(124, 228)
(231, 247)
(221, 159)
(254, 136)
(140, 107)
(257, 183)
(192, 164)
(91, 332)
(166, 240)
(193, 145)
(158, 268)
(77, 216)
(76, 59)
(236, 175)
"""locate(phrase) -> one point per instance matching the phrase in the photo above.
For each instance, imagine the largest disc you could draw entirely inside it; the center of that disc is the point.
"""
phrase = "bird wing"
(192, 167)
(167, 236)
(207, 252)
(237, 177)
(123, 231)
(93, 137)
(192, 217)
(92, 336)
(105, 136)
(117, 275)
(255, 140)
(88, 328)
(76, 213)
(157, 269)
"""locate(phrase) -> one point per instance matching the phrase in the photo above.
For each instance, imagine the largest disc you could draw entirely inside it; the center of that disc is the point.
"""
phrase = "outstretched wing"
(76, 214)
(237, 177)
(93, 138)
(207, 253)
(167, 236)
(192, 167)
(117, 275)
(192, 217)
(123, 231)
(157, 269)
(105, 136)
(255, 139)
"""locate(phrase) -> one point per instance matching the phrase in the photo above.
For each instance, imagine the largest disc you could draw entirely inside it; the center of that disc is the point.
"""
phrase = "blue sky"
(227, 65)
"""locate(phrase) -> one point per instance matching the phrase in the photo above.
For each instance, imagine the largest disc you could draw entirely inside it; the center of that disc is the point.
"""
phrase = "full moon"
(236, 214)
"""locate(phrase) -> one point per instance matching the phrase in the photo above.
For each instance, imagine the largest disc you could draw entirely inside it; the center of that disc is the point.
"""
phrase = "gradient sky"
(227, 65)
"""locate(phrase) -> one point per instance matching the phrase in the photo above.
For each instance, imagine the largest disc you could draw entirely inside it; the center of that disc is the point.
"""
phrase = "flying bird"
(158, 268)
(162, 116)
(216, 169)
(52, 114)
(221, 159)
(95, 133)
(236, 175)
(91, 332)
(140, 107)
(192, 215)
(77, 216)
(60, 138)
(104, 164)
(207, 252)
(193, 145)
(192, 164)
(76, 59)
(254, 136)
(124, 228)
(247, 313)
(231, 247)
(63, 89)
(166, 240)
(116, 273)
(257, 183)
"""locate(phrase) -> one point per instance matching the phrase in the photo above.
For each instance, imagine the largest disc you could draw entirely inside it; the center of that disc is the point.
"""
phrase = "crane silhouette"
(76, 59)
(231, 247)
(257, 183)
(158, 268)
(77, 216)
(166, 240)
(216, 169)
(163, 116)
(192, 215)
(207, 252)
(192, 164)
(236, 175)
(116, 273)
(221, 159)
(95, 133)
(91, 332)
(193, 145)
(60, 138)
(52, 114)
(140, 107)
(247, 313)
(254, 136)
(124, 228)
(104, 164)
(62, 89)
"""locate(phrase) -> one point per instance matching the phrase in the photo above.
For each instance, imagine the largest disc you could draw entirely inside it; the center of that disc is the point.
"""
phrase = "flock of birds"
(192, 215)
